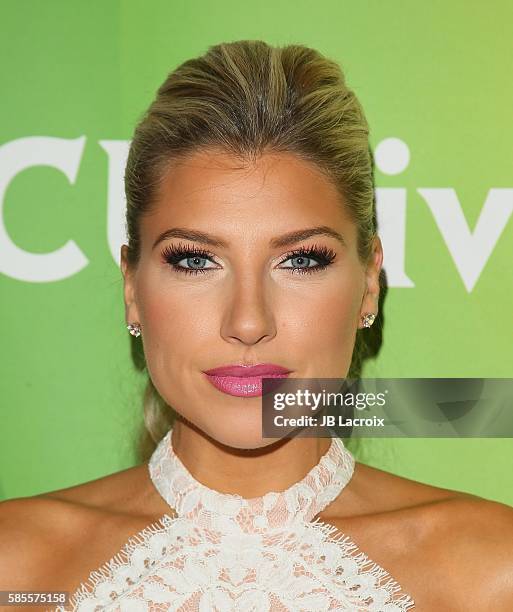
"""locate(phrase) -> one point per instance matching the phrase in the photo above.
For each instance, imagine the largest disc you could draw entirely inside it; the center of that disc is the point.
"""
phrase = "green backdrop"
(434, 75)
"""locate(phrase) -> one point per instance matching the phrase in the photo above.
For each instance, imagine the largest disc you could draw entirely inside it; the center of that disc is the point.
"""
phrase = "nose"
(248, 317)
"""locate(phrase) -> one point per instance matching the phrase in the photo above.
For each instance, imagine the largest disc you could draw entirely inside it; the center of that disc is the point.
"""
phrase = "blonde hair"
(248, 97)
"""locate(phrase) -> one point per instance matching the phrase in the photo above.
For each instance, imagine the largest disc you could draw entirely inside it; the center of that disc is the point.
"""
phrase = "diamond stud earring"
(134, 329)
(368, 319)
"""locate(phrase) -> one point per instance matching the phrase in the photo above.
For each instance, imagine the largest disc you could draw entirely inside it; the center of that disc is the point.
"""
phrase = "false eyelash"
(173, 254)
(324, 256)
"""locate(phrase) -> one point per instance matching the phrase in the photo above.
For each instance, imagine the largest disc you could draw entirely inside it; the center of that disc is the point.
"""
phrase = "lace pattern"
(224, 553)
(209, 508)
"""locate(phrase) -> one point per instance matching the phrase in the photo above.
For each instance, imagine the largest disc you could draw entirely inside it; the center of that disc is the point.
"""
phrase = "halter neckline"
(301, 501)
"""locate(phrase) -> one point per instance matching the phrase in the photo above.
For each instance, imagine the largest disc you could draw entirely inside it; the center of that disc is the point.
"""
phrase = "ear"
(131, 310)
(373, 268)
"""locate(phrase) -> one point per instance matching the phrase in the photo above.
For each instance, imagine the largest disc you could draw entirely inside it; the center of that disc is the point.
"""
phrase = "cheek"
(316, 320)
(324, 326)
(176, 328)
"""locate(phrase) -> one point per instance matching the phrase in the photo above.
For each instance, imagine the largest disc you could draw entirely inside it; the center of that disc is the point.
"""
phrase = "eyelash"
(172, 255)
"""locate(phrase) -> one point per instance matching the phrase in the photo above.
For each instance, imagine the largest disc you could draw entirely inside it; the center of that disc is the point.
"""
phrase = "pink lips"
(244, 381)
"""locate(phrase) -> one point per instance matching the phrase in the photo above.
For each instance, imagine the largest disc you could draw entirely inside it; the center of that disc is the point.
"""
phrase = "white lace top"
(225, 553)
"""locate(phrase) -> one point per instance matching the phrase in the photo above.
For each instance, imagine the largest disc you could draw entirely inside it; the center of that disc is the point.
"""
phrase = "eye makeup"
(196, 258)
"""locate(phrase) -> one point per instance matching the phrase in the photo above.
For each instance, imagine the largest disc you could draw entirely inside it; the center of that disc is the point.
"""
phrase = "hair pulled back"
(248, 97)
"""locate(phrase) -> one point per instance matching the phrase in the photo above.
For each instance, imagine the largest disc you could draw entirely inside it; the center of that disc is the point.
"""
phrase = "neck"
(248, 473)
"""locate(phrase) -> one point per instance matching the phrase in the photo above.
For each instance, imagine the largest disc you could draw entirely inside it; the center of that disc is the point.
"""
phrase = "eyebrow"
(278, 242)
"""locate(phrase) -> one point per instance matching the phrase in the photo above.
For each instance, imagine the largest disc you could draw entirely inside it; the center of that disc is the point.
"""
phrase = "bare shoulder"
(474, 540)
(373, 491)
(29, 529)
(466, 543)
(447, 548)
(42, 535)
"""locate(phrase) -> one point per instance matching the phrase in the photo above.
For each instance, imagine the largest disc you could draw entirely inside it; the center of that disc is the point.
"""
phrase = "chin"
(244, 432)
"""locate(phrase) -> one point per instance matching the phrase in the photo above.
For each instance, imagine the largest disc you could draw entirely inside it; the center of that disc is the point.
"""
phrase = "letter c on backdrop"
(16, 156)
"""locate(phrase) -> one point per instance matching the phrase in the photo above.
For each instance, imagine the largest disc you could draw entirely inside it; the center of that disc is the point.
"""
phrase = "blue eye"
(194, 263)
(303, 260)
(195, 259)
(300, 261)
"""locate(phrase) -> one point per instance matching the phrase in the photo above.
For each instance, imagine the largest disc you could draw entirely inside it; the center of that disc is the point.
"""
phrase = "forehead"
(276, 191)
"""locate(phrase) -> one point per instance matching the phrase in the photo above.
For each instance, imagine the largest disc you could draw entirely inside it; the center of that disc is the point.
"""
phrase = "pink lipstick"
(243, 380)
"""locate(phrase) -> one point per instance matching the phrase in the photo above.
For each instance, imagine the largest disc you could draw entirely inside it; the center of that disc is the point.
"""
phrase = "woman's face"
(254, 299)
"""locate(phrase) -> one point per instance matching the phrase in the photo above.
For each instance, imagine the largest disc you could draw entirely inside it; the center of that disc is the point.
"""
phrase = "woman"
(252, 252)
